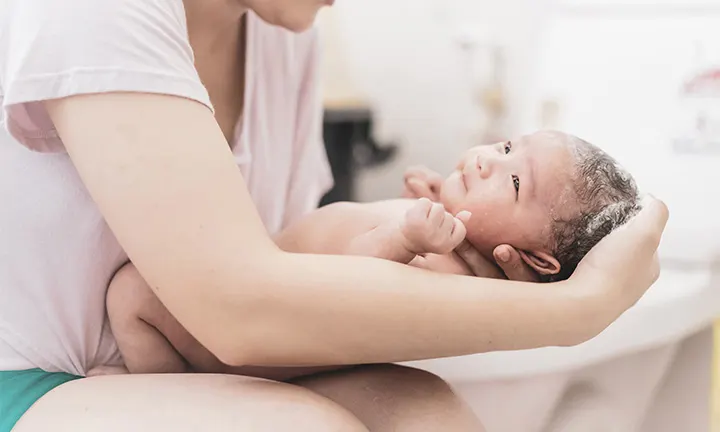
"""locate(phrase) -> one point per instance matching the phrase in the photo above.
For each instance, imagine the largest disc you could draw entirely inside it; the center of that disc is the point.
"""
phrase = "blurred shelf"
(347, 132)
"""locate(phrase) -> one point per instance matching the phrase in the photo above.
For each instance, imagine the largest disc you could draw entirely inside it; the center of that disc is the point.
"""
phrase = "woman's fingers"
(474, 260)
(648, 225)
(512, 264)
(623, 265)
(652, 219)
(655, 268)
(651, 222)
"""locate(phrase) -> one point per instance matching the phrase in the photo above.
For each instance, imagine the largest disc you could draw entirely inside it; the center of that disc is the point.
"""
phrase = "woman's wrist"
(591, 305)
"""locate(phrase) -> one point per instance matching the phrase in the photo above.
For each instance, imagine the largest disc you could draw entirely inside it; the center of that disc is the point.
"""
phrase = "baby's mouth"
(463, 176)
(469, 170)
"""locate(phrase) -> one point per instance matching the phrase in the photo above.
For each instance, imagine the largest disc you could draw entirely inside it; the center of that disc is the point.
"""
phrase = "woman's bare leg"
(384, 397)
(151, 403)
(395, 398)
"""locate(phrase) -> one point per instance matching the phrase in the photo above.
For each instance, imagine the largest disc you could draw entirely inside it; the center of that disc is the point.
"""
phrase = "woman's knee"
(386, 381)
(397, 398)
(414, 385)
(402, 380)
(422, 395)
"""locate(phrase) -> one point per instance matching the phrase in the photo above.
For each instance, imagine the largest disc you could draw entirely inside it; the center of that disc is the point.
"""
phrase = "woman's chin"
(297, 21)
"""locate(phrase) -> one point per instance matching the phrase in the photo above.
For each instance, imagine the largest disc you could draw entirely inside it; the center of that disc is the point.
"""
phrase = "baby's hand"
(422, 182)
(428, 228)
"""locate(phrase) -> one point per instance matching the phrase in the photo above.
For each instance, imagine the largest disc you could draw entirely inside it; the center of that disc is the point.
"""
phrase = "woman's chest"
(262, 135)
(262, 108)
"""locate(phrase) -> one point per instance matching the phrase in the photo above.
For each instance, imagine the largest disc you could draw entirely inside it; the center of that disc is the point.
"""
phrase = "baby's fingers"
(419, 212)
(437, 215)
(416, 188)
(458, 233)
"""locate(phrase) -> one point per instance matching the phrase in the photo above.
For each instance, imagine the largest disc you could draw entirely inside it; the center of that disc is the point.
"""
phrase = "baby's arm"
(385, 241)
(426, 228)
(355, 229)
(426, 238)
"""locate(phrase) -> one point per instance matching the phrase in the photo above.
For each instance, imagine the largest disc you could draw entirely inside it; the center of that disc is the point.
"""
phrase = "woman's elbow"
(237, 324)
(242, 346)
(235, 353)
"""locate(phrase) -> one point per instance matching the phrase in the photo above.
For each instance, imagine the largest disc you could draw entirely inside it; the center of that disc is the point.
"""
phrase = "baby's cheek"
(481, 234)
(490, 231)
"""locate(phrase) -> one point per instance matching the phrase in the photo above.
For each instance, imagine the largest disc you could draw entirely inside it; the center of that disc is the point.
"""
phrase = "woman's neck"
(213, 24)
(218, 39)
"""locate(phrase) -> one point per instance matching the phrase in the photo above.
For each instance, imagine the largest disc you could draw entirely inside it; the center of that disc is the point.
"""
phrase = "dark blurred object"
(350, 147)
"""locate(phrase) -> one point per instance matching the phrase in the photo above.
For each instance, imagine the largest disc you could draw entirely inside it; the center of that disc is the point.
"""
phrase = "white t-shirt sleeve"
(52, 49)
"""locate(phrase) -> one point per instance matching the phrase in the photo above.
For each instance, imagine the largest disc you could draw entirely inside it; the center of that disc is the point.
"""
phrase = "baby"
(550, 195)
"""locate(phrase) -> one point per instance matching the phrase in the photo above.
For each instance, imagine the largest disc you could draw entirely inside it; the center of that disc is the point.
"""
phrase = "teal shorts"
(19, 390)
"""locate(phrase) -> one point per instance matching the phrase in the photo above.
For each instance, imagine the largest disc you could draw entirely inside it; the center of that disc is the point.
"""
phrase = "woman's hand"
(617, 272)
(506, 257)
(422, 182)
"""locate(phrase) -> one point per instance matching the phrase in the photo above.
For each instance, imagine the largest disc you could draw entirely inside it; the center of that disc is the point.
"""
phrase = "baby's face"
(512, 189)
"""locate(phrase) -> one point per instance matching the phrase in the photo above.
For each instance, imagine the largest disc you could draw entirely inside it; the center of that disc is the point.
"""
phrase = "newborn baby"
(550, 195)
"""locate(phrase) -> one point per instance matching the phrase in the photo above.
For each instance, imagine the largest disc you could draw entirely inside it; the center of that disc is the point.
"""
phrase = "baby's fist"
(428, 228)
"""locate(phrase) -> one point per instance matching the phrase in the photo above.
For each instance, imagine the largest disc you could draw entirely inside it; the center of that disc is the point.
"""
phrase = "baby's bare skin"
(376, 229)
(418, 233)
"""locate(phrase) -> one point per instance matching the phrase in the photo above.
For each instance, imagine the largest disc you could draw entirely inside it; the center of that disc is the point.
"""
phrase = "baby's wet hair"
(606, 196)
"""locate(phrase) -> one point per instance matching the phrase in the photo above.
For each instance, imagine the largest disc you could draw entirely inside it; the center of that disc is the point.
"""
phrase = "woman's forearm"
(324, 309)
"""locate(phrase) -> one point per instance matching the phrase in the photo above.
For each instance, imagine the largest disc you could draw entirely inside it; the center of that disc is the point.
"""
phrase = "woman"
(132, 108)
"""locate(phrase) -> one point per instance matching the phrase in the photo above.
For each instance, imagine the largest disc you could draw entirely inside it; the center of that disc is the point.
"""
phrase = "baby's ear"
(542, 262)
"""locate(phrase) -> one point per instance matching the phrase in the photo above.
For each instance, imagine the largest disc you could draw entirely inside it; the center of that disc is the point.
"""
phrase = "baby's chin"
(451, 206)
(452, 195)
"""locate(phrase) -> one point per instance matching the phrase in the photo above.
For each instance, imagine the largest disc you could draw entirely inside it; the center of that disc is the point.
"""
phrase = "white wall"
(618, 76)
(405, 58)
(615, 67)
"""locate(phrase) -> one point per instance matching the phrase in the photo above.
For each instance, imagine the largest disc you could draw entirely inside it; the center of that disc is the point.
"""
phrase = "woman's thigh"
(395, 398)
(184, 403)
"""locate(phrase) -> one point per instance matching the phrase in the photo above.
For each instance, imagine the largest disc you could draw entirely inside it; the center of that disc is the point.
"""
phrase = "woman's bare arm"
(166, 182)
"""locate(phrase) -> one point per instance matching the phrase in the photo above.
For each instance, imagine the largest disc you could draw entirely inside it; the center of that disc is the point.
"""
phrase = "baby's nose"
(485, 165)
(474, 167)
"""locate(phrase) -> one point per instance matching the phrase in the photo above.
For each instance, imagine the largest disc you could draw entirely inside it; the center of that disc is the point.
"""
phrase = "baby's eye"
(516, 183)
(508, 147)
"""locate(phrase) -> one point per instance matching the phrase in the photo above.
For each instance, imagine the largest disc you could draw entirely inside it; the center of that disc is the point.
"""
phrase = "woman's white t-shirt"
(57, 254)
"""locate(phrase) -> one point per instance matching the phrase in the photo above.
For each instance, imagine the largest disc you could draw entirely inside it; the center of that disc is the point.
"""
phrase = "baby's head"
(550, 195)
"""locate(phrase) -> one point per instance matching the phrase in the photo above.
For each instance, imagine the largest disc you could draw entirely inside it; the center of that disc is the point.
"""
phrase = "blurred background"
(418, 81)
